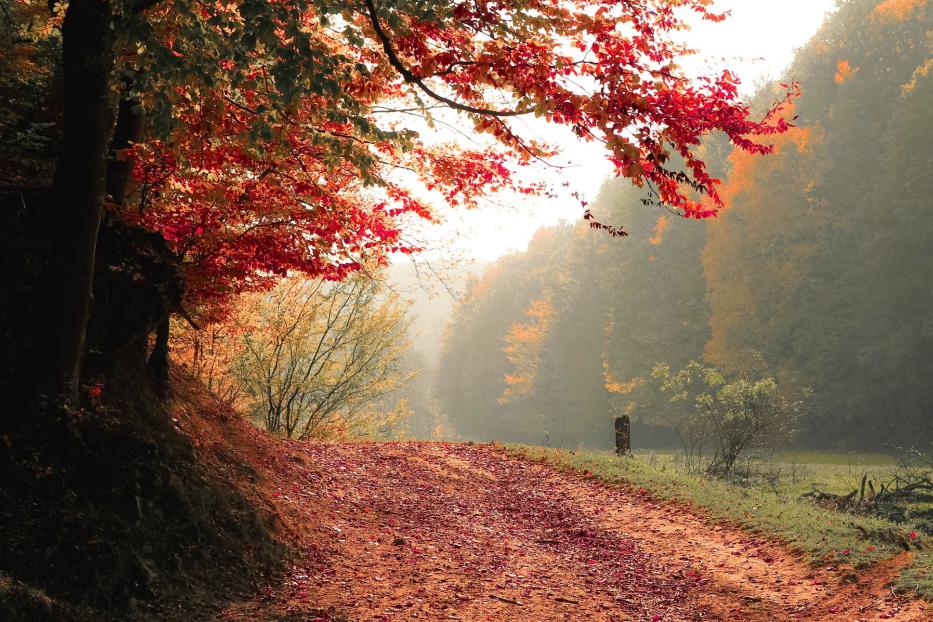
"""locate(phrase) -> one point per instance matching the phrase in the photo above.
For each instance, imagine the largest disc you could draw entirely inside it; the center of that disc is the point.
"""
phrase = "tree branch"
(411, 78)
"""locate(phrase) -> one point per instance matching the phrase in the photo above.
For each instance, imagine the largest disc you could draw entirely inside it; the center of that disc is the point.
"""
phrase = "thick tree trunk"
(76, 201)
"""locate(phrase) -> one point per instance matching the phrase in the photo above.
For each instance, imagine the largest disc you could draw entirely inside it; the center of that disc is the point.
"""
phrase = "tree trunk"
(128, 130)
(158, 359)
(77, 197)
(623, 427)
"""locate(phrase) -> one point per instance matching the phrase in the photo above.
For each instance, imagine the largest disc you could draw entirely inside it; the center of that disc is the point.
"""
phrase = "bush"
(729, 418)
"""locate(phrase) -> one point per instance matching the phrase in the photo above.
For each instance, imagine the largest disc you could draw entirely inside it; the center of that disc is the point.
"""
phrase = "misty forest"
(816, 275)
(255, 367)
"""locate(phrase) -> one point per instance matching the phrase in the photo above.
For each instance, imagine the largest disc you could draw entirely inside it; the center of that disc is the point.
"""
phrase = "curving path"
(434, 531)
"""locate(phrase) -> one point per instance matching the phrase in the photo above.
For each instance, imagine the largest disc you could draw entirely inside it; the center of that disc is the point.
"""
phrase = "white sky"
(757, 42)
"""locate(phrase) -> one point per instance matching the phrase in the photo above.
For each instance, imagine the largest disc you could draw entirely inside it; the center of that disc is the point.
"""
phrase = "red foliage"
(247, 188)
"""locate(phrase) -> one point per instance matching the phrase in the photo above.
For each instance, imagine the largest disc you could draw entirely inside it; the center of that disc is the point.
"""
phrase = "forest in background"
(817, 274)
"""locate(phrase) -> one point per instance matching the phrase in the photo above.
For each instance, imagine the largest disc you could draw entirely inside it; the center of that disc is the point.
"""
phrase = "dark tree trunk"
(77, 197)
(158, 359)
(128, 130)
(623, 429)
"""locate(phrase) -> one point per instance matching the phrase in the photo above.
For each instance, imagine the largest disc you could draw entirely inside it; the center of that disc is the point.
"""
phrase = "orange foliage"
(208, 354)
(744, 168)
(920, 72)
(614, 385)
(897, 9)
(660, 228)
(523, 348)
(734, 262)
(844, 71)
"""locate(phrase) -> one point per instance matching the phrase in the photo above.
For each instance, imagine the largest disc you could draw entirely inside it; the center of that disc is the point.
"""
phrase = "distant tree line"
(820, 271)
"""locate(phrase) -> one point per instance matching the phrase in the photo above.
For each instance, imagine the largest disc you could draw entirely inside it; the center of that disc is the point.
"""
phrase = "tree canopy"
(260, 138)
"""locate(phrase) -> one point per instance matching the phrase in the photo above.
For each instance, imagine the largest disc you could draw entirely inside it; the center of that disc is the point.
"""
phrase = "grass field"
(765, 499)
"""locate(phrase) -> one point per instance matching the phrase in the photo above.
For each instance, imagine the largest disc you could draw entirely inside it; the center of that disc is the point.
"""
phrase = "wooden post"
(623, 435)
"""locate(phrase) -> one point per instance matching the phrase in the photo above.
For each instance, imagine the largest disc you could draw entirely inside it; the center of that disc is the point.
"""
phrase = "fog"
(817, 277)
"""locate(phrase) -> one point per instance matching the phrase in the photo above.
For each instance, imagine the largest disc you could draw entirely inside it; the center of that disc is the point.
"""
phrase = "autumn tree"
(821, 261)
(777, 265)
(523, 349)
(472, 367)
(318, 356)
(522, 359)
(258, 138)
(208, 353)
(596, 316)
(565, 399)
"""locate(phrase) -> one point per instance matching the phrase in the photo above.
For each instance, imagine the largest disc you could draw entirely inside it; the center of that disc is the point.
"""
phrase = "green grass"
(767, 501)
(853, 461)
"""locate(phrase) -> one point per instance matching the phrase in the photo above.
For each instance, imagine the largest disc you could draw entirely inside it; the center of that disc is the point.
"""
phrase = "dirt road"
(428, 531)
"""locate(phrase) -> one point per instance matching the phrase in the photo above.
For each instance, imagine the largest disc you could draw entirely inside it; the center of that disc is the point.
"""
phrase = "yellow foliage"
(514, 380)
(370, 422)
(540, 310)
(617, 386)
(308, 358)
(208, 353)
(745, 166)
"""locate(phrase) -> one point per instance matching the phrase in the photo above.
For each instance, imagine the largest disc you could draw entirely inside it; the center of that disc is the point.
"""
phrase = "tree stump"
(623, 435)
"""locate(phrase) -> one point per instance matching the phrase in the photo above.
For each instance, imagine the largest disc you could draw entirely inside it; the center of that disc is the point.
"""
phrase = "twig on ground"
(561, 599)
(505, 600)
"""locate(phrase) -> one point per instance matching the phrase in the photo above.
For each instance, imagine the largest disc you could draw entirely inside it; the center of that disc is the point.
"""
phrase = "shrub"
(728, 417)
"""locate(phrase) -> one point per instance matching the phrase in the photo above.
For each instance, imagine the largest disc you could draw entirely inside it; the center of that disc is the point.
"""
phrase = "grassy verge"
(770, 508)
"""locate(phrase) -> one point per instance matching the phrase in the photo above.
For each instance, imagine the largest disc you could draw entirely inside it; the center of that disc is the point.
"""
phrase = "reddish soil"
(431, 531)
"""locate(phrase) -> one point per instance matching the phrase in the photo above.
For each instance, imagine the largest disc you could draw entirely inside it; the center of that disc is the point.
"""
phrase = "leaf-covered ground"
(429, 531)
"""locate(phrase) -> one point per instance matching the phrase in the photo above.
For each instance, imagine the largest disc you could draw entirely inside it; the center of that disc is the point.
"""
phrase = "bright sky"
(757, 42)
